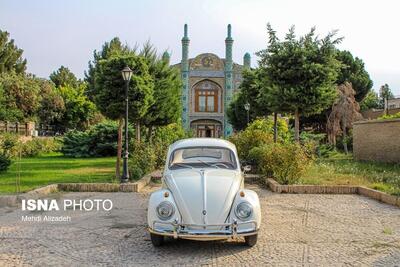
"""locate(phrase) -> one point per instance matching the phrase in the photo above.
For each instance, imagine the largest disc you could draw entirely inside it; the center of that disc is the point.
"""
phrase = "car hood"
(204, 196)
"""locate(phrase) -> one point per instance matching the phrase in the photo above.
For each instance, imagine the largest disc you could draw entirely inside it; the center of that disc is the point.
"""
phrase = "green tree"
(385, 94)
(78, 108)
(64, 77)
(10, 55)
(371, 100)
(109, 88)
(166, 108)
(250, 92)
(21, 96)
(352, 70)
(109, 49)
(302, 73)
(52, 107)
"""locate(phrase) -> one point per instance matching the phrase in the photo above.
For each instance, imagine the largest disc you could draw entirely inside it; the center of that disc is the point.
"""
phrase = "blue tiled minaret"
(185, 78)
(247, 61)
(228, 79)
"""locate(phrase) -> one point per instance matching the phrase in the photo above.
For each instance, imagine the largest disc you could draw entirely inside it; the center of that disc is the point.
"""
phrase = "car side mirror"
(247, 168)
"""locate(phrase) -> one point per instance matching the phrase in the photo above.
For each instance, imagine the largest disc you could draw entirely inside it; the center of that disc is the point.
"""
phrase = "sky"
(66, 32)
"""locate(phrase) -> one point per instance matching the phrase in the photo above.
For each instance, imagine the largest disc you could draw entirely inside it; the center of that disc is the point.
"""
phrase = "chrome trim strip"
(202, 236)
(177, 230)
(204, 187)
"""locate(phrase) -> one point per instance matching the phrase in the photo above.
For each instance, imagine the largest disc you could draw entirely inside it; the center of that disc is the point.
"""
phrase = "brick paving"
(297, 230)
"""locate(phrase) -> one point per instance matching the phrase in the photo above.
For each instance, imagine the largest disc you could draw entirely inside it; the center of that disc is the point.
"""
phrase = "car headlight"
(243, 210)
(165, 210)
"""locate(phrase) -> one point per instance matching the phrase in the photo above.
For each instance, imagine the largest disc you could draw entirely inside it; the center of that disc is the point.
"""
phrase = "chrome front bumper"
(227, 230)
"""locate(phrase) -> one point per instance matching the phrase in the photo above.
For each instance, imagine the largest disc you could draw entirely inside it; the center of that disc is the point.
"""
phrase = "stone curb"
(333, 189)
(14, 200)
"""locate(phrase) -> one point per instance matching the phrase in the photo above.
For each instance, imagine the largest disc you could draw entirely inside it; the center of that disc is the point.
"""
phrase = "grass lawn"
(340, 169)
(55, 168)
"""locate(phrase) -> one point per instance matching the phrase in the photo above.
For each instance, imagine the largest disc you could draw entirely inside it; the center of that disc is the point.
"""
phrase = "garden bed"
(333, 189)
(340, 169)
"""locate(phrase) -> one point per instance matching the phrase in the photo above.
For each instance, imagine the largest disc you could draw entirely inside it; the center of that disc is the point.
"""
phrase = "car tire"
(250, 240)
(156, 240)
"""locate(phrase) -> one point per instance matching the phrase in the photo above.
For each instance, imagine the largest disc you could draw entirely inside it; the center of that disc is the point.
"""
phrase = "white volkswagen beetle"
(202, 195)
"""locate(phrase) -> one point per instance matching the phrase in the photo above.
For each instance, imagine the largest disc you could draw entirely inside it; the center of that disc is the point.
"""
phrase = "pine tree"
(10, 56)
(302, 73)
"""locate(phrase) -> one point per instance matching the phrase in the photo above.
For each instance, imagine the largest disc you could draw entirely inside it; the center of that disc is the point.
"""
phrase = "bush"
(76, 144)
(142, 161)
(5, 162)
(285, 162)
(37, 146)
(165, 136)
(99, 140)
(103, 138)
(150, 155)
(267, 125)
(8, 143)
(388, 117)
(249, 139)
(258, 133)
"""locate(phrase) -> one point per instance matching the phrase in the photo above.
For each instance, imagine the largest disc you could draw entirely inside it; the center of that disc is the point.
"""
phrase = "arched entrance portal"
(207, 128)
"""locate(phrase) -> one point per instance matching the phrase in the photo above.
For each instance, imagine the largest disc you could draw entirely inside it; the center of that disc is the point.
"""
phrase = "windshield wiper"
(182, 165)
(209, 164)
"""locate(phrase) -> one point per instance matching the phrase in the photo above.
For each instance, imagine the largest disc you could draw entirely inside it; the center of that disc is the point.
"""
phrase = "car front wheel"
(250, 240)
(156, 240)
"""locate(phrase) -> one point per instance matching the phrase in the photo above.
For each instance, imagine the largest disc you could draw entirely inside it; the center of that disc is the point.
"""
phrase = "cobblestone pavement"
(297, 230)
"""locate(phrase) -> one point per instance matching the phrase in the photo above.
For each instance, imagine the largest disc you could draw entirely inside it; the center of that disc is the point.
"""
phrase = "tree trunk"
(150, 134)
(119, 149)
(346, 151)
(387, 106)
(275, 127)
(138, 131)
(297, 126)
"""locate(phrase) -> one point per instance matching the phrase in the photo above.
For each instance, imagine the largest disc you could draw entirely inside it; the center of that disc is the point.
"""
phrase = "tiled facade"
(209, 83)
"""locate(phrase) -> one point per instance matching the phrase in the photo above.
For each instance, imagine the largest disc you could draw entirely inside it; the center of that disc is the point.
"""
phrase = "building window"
(206, 101)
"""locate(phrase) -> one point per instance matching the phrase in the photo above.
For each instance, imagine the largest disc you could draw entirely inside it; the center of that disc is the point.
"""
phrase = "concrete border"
(137, 187)
(333, 189)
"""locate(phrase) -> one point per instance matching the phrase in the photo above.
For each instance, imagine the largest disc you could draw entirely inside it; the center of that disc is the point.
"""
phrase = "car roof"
(195, 142)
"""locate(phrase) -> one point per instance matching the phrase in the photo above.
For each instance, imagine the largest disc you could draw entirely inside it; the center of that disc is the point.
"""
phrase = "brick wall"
(377, 140)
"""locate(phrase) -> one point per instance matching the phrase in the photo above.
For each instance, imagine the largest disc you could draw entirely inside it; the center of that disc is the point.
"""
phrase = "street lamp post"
(247, 108)
(126, 74)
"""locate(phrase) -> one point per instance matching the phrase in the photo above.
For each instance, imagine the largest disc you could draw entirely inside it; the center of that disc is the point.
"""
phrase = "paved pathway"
(297, 230)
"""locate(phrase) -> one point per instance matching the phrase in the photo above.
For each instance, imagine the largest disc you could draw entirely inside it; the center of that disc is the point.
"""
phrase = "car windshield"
(202, 157)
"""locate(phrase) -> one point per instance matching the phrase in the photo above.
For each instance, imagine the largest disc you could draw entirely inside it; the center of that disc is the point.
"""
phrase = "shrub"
(387, 117)
(76, 144)
(165, 136)
(258, 133)
(142, 161)
(7, 146)
(247, 140)
(99, 140)
(103, 138)
(150, 155)
(285, 162)
(267, 125)
(37, 146)
(5, 162)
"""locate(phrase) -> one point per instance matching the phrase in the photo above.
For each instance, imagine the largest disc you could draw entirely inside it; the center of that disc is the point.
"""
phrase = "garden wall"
(377, 140)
